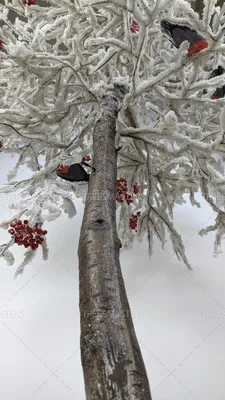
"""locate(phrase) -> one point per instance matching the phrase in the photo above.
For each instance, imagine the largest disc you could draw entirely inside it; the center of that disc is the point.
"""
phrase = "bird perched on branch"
(75, 172)
(178, 34)
(220, 91)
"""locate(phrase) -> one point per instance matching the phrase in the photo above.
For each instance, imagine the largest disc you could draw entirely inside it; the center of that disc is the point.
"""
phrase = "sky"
(179, 316)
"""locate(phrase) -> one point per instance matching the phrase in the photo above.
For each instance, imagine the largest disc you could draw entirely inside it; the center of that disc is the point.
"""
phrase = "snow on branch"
(58, 61)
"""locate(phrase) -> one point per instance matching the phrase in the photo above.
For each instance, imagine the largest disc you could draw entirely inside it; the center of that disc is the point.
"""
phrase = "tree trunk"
(112, 362)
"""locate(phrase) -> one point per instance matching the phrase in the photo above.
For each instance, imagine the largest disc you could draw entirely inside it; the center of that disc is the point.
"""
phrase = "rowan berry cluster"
(123, 195)
(26, 235)
(1, 45)
(85, 159)
(135, 188)
(134, 26)
(29, 2)
(133, 221)
(122, 191)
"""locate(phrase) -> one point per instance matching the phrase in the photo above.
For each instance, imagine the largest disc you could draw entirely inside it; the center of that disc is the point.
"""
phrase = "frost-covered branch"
(56, 64)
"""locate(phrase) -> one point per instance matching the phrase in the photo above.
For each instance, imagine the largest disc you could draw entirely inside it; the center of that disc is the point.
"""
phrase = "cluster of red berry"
(1, 45)
(85, 159)
(29, 2)
(26, 235)
(121, 193)
(135, 188)
(134, 26)
(133, 221)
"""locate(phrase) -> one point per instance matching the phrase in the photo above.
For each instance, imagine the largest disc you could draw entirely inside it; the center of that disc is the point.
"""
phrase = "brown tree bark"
(112, 362)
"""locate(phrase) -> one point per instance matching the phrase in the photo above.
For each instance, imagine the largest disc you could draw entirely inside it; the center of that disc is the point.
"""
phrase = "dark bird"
(220, 91)
(217, 71)
(73, 173)
(178, 34)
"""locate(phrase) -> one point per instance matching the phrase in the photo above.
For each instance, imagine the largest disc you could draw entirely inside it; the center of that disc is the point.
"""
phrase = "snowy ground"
(179, 316)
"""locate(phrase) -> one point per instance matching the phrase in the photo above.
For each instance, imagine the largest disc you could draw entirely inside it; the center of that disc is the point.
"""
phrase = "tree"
(99, 78)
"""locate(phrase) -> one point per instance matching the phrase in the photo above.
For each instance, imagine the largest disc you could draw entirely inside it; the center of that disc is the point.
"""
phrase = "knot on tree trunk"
(99, 224)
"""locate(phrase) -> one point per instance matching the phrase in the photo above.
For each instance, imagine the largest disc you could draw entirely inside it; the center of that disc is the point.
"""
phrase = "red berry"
(19, 222)
(25, 222)
(44, 232)
(19, 236)
(11, 231)
(13, 224)
(135, 188)
(86, 158)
